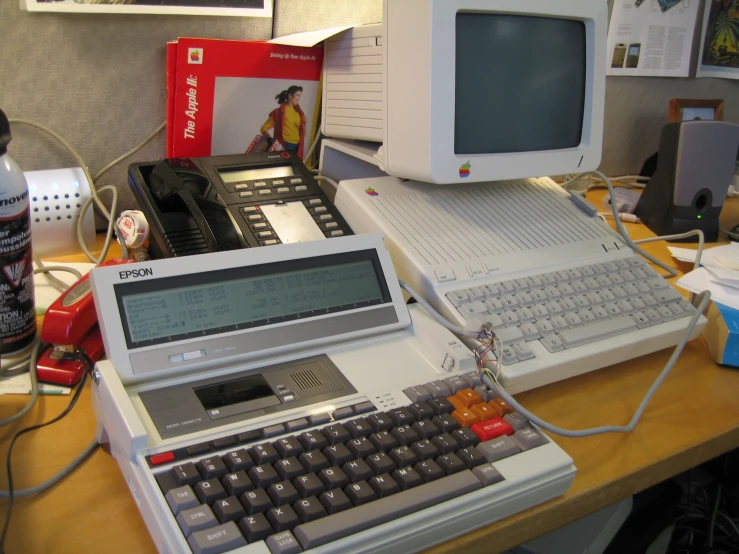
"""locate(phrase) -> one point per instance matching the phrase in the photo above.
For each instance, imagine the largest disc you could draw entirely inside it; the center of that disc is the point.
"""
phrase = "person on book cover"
(288, 121)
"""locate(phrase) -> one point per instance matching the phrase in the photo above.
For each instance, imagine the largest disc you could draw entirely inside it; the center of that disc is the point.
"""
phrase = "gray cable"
(436, 315)
(703, 299)
(131, 152)
(58, 477)
(35, 347)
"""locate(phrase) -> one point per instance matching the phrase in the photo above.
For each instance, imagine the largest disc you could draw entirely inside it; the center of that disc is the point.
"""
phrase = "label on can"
(17, 312)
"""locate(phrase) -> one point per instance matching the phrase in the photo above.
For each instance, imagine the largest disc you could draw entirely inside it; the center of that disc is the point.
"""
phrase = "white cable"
(436, 315)
(703, 300)
(327, 180)
(307, 157)
(131, 152)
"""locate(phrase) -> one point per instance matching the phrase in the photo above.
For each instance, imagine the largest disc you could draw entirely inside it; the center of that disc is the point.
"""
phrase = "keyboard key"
(529, 438)
(228, 509)
(211, 467)
(425, 449)
(289, 446)
(223, 442)
(523, 352)
(217, 539)
(263, 476)
(357, 470)
(309, 509)
(516, 421)
(273, 430)
(343, 413)
(597, 331)
(491, 429)
(383, 485)
(552, 343)
(196, 449)
(361, 447)
(465, 418)
(429, 470)
(407, 477)
(641, 320)
(483, 412)
(401, 416)
(337, 454)
(499, 448)
(319, 419)
(425, 429)
(335, 501)
(665, 313)
(209, 491)
(313, 440)
(445, 443)
(457, 298)
(445, 423)
(450, 464)
(487, 474)
(467, 397)
(417, 394)
(380, 463)
(336, 433)
(404, 434)
(438, 389)
(196, 519)
(181, 498)
(325, 530)
(297, 425)
(333, 478)
(255, 527)
(403, 456)
(237, 483)
(545, 328)
(383, 441)
(313, 461)
(249, 436)
(256, 501)
(282, 518)
(185, 474)
(308, 485)
(501, 406)
(470, 457)
(465, 437)
(282, 493)
(364, 407)
(440, 406)
(380, 422)
(238, 460)
(421, 410)
(264, 454)
(289, 468)
(284, 542)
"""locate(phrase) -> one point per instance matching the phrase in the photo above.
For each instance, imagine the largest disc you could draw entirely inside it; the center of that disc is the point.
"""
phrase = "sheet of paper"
(309, 38)
(651, 37)
(46, 293)
(700, 279)
(682, 254)
(21, 384)
(719, 52)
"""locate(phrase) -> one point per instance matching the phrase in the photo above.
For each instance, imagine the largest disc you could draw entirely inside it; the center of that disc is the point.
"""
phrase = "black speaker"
(694, 170)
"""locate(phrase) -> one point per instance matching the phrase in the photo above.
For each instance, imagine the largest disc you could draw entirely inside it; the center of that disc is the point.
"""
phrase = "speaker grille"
(312, 379)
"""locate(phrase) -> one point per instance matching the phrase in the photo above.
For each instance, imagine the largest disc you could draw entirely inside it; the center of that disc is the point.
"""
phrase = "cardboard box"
(722, 334)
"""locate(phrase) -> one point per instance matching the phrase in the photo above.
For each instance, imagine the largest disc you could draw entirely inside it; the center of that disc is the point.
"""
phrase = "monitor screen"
(520, 83)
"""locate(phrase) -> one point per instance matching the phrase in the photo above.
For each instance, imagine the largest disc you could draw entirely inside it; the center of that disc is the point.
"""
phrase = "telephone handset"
(199, 205)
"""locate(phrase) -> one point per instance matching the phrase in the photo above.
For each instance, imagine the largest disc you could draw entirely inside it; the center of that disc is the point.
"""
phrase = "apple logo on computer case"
(464, 170)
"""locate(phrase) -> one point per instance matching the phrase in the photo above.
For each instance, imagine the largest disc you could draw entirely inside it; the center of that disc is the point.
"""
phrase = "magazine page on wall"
(232, 97)
(719, 54)
(242, 8)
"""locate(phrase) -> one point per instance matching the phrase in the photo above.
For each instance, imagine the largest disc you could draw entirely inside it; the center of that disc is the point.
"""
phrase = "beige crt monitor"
(472, 90)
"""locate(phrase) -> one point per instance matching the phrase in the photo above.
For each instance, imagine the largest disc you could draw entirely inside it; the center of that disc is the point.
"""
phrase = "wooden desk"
(692, 418)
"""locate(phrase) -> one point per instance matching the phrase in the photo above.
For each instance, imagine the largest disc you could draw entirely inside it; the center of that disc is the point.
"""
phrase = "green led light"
(700, 217)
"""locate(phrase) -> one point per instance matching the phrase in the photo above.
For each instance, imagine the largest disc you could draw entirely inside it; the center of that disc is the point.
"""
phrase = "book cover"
(171, 87)
(227, 92)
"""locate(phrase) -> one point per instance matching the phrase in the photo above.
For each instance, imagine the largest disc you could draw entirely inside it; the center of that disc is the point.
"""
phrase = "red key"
(491, 429)
(163, 458)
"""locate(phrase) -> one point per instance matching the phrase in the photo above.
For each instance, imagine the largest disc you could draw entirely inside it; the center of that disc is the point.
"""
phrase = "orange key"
(465, 418)
(483, 411)
(468, 397)
(503, 405)
(457, 403)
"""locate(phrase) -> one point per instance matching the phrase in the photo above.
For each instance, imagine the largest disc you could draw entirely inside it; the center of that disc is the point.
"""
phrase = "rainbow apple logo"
(195, 55)
(464, 170)
(372, 192)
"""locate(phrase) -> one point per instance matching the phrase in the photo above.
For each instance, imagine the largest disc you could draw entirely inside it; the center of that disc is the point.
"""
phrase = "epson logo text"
(143, 272)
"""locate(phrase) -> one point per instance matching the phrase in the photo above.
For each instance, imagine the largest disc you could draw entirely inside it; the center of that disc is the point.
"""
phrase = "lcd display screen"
(520, 83)
(271, 172)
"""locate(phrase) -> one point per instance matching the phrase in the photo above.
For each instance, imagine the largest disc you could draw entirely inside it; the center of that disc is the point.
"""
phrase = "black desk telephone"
(200, 205)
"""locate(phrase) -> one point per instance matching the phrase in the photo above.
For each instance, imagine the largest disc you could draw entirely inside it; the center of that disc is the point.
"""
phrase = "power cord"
(81, 356)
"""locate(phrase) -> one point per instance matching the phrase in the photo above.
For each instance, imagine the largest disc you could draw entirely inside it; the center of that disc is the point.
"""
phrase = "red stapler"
(70, 324)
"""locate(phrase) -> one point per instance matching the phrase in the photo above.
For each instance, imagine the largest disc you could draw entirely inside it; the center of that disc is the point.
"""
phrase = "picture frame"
(684, 109)
(242, 8)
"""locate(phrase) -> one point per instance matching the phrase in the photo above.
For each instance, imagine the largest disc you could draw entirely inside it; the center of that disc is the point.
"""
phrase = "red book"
(230, 93)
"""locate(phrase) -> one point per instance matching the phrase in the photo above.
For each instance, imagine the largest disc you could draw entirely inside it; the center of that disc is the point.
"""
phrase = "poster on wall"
(719, 53)
(244, 8)
(651, 37)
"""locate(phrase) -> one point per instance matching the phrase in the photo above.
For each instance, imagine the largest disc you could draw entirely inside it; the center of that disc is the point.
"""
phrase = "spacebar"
(354, 520)
(596, 331)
